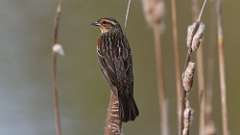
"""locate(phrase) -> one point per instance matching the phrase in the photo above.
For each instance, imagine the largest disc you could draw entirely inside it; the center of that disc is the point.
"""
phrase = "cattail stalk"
(127, 13)
(113, 121)
(161, 82)
(177, 64)
(194, 38)
(57, 49)
(210, 128)
(201, 91)
(200, 75)
(154, 11)
(209, 123)
(187, 81)
(222, 68)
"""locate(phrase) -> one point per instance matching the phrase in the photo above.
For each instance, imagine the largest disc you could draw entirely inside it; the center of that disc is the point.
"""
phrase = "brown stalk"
(210, 128)
(154, 13)
(186, 108)
(55, 89)
(187, 78)
(222, 68)
(127, 13)
(113, 122)
(194, 38)
(200, 75)
(201, 90)
(209, 123)
(177, 63)
(161, 83)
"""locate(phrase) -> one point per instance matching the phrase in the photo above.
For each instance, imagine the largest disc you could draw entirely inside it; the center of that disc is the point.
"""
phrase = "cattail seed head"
(154, 11)
(187, 118)
(195, 35)
(190, 33)
(198, 37)
(187, 76)
(58, 49)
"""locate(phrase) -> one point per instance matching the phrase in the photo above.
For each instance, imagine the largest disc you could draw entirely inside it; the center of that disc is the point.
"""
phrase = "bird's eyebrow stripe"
(109, 21)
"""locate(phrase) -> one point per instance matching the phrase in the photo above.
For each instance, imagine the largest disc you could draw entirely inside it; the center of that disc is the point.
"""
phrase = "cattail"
(188, 76)
(154, 12)
(195, 35)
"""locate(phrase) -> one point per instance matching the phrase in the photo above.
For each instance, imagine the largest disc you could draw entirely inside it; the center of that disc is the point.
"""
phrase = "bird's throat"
(104, 30)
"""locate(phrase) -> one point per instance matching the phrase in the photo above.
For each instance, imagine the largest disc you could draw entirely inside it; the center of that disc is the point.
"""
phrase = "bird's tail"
(127, 108)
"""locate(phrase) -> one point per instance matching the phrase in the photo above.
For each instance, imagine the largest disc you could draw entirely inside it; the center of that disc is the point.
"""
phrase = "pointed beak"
(95, 24)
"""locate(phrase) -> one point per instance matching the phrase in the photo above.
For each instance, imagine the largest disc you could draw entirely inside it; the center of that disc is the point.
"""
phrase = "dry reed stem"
(222, 68)
(194, 38)
(210, 128)
(127, 13)
(200, 75)
(113, 122)
(201, 90)
(177, 64)
(187, 80)
(54, 70)
(154, 11)
(209, 123)
(161, 83)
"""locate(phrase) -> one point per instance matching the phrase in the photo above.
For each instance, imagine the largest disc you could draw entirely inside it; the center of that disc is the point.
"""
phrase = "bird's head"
(106, 24)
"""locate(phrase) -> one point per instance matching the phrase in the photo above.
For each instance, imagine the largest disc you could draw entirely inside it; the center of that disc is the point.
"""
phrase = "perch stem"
(54, 71)
(113, 122)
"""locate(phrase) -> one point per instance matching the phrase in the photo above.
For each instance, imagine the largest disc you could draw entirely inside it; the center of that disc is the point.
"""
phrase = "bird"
(115, 60)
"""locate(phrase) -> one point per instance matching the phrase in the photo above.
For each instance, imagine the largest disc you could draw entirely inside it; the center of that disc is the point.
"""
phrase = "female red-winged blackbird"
(115, 60)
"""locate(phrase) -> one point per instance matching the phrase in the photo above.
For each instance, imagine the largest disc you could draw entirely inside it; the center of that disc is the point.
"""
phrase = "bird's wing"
(105, 60)
(116, 64)
(124, 69)
(108, 72)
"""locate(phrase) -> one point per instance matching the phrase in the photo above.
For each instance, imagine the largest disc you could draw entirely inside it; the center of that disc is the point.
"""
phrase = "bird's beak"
(95, 24)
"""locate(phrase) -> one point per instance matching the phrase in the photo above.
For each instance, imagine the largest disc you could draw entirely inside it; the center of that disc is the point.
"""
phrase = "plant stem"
(192, 36)
(161, 83)
(54, 71)
(222, 68)
(201, 11)
(177, 64)
(210, 128)
(201, 90)
(127, 13)
(113, 122)
(200, 75)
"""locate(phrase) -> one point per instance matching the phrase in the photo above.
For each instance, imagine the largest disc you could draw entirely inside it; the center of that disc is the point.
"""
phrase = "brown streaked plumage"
(115, 60)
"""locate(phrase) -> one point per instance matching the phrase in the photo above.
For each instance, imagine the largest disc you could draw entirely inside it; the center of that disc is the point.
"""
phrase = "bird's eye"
(104, 22)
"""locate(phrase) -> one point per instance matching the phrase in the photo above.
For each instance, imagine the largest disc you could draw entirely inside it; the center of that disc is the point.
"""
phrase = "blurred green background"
(25, 77)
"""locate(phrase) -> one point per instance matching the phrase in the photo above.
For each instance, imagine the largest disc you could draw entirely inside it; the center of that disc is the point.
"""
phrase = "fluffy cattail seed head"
(187, 76)
(154, 11)
(187, 118)
(58, 49)
(195, 35)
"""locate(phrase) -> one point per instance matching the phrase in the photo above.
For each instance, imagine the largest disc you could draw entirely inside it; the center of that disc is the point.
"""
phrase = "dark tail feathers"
(128, 109)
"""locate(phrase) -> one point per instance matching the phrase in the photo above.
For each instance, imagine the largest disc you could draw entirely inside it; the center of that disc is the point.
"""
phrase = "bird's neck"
(112, 32)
